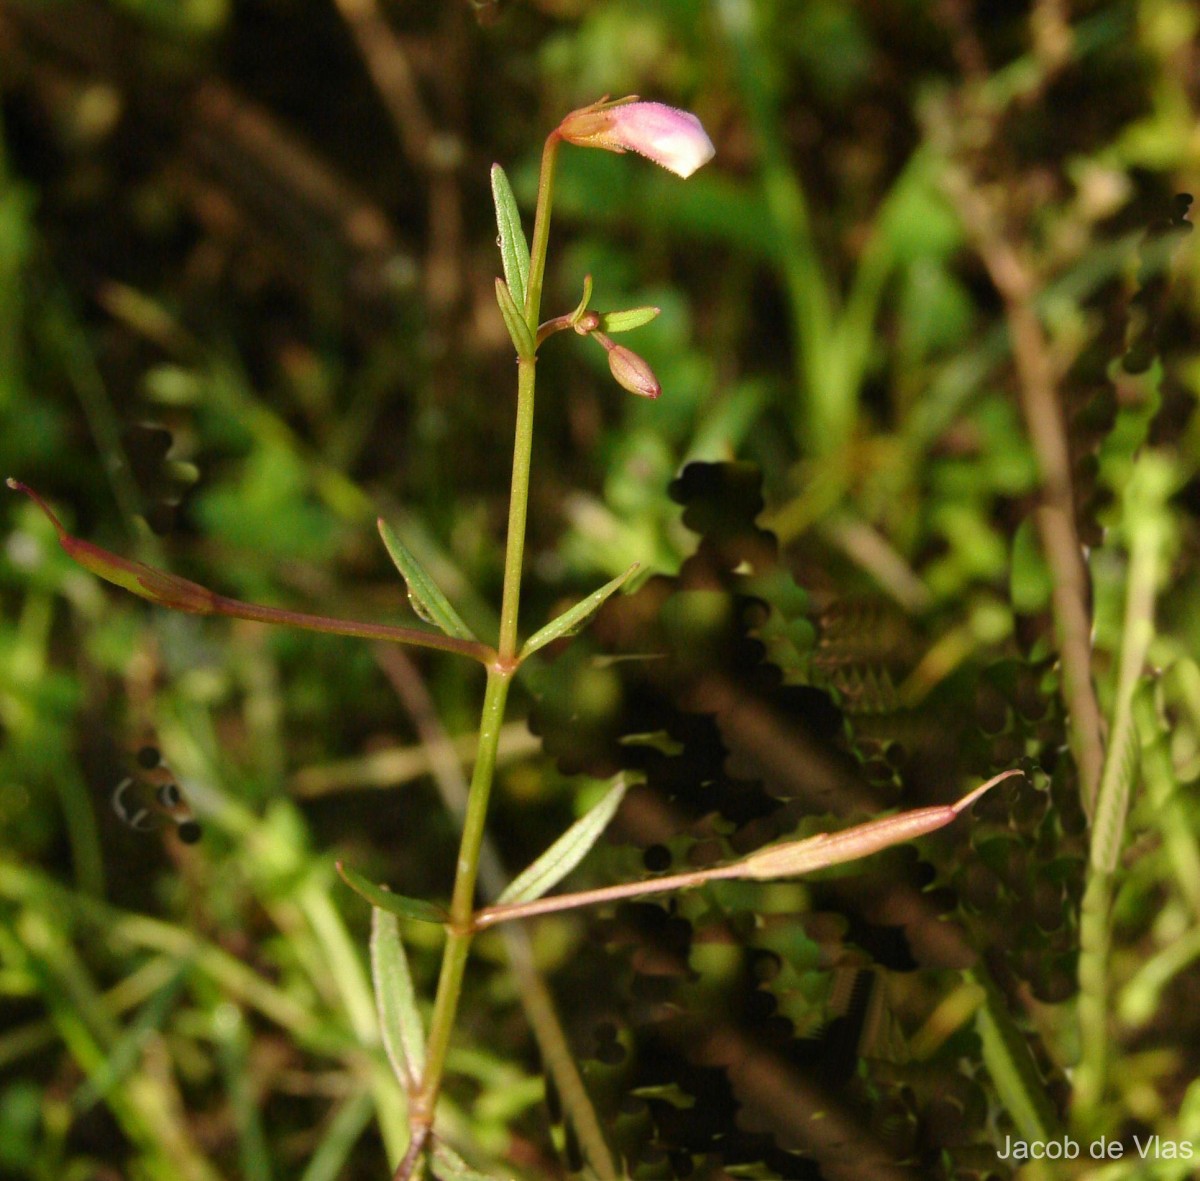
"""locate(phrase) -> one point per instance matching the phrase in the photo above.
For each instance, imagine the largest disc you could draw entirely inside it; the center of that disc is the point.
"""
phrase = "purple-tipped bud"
(670, 137)
(632, 373)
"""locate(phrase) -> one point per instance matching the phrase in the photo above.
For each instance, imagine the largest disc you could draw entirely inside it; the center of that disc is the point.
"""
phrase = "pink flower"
(673, 138)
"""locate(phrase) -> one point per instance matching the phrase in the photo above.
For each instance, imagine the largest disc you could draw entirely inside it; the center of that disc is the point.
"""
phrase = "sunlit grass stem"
(1147, 527)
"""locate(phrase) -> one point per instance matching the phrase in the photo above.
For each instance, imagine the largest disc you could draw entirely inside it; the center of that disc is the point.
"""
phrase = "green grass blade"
(233, 1041)
(1146, 525)
(1011, 1065)
(329, 1159)
(1168, 804)
(124, 1056)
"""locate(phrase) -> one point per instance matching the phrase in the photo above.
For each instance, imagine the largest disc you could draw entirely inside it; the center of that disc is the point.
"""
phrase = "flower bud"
(632, 373)
(670, 137)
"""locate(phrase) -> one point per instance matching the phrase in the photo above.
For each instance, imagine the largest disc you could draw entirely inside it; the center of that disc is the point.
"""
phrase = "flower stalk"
(460, 929)
(642, 127)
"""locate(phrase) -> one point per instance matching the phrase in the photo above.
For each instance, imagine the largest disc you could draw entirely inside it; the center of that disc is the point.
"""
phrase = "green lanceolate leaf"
(407, 908)
(514, 321)
(395, 1000)
(628, 320)
(514, 251)
(423, 593)
(567, 852)
(572, 621)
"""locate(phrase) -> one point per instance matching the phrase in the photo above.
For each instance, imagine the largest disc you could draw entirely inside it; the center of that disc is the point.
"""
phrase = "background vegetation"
(935, 296)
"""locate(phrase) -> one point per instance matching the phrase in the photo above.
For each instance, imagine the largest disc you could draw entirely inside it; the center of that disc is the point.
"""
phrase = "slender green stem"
(518, 504)
(462, 903)
(460, 929)
(518, 508)
(541, 232)
(1041, 406)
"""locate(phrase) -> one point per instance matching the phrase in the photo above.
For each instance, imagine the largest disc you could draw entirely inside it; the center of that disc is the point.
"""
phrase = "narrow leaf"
(514, 251)
(514, 321)
(574, 620)
(793, 858)
(423, 593)
(407, 908)
(396, 1002)
(627, 320)
(567, 852)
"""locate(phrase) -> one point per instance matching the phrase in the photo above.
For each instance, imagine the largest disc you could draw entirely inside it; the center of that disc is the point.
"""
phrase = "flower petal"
(668, 136)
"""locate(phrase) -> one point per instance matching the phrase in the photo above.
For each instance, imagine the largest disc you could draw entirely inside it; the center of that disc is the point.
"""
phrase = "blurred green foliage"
(246, 307)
